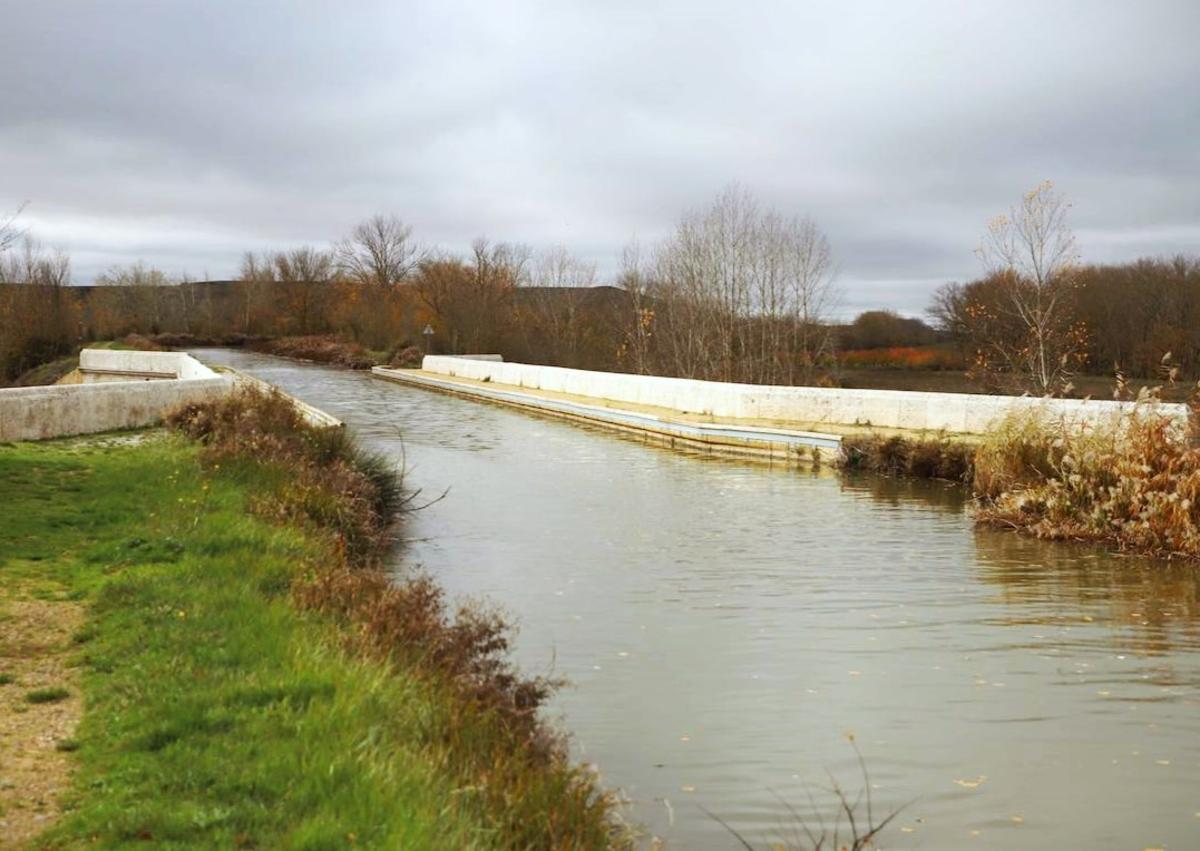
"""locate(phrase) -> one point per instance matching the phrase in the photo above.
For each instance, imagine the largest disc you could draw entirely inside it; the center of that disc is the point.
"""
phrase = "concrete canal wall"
(120, 390)
(955, 413)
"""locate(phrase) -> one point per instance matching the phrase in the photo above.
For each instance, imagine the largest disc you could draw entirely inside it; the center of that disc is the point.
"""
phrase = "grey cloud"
(186, 133)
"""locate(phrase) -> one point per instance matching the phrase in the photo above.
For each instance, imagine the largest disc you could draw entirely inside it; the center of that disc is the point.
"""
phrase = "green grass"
(47, 695)
(216, 714)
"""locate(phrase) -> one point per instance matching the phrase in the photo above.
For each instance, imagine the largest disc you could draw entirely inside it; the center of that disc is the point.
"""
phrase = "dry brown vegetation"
(1131, 483)
(921, 458)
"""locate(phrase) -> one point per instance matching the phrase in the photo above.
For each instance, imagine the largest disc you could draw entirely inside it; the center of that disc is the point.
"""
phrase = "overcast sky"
(187, 133)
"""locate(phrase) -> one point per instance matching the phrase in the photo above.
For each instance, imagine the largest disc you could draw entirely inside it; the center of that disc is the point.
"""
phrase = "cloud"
(187, 133)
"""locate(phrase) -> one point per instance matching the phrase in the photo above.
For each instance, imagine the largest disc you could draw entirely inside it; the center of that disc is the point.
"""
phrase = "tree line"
(737, 291)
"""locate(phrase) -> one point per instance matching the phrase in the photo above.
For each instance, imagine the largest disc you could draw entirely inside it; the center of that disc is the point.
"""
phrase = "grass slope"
(217, 715)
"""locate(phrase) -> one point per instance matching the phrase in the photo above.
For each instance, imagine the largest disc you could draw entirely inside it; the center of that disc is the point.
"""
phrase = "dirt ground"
(35, 643)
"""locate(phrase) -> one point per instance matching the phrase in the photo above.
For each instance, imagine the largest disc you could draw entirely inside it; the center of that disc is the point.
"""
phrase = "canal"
(727, 628)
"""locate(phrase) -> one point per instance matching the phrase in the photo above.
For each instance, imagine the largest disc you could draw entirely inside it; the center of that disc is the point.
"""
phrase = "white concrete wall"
(178, 364)
(961, 413)
(37, 413)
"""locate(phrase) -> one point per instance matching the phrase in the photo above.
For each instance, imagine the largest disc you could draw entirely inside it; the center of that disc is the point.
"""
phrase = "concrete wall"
(121, 390)
(113, 362)
(37, 413)
(960, 413)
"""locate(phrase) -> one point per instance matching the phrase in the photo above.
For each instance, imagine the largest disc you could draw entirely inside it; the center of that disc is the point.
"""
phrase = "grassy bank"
(250, 677)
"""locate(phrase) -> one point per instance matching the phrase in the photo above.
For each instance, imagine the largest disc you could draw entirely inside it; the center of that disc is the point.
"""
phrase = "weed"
(47, 695)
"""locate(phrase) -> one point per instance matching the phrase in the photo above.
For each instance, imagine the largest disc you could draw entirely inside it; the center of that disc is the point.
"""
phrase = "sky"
(185, 134)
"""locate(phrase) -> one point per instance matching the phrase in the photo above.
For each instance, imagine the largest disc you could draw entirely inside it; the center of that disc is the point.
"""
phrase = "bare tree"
(9, 231)
(472, 300)
(638, 340)
(743, 294)
(379, 251)
(1031, 256)
(39, 320)
(555, 307)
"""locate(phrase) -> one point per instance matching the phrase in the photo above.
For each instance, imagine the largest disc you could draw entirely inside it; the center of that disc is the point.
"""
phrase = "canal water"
(733, 632)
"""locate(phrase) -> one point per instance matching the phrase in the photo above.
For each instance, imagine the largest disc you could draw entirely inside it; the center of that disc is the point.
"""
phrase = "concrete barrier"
(957, 413)
(37, 413)
(120, 365)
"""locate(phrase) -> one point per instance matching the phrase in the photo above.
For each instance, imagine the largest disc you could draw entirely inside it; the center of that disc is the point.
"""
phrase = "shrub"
(320, 350)
(409, 357)
(1133, 483)
(325, 478)
(934, 458)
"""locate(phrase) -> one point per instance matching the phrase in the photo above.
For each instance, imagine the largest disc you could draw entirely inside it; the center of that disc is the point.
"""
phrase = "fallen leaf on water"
(972, 784)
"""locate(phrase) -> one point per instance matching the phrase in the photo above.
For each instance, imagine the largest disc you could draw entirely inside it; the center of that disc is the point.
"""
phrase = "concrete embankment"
(775, 421)
(120, 390)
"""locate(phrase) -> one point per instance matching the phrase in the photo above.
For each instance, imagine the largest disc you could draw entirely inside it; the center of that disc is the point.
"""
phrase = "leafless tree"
(9, 231)
(742, 294)
(33, 264)
(472, 300)
(1031, 256)
(379, 251)
(556, 304)
(140, 295)
(638, 339)
(39, 320)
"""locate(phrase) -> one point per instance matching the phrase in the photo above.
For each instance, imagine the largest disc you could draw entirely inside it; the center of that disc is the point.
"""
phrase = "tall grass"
(1132, 482)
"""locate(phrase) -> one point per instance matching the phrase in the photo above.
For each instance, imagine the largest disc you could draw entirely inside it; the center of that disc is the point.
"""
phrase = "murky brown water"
(726, 626)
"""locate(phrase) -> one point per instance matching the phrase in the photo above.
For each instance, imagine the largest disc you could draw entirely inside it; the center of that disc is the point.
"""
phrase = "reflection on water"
(726, 625)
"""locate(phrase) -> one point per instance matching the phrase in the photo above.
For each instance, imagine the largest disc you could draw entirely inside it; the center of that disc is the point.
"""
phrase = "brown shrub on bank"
(140, 343)
(512, 768)
(318, 349)
(1132, 483)
(408, 356)
(933, 458)
(322, 477)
